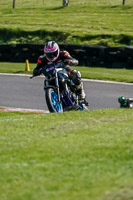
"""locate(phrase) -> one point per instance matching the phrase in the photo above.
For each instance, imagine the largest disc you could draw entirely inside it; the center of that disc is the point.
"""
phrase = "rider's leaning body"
(52, 54)
(64, 57)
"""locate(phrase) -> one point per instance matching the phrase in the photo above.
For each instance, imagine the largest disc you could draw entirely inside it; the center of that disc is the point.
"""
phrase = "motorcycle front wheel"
(52, 101)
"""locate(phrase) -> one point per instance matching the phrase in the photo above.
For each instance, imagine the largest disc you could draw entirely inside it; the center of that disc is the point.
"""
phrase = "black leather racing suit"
(67, 60)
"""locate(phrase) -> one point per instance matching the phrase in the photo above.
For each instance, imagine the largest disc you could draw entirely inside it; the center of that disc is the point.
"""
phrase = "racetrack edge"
(23, 110)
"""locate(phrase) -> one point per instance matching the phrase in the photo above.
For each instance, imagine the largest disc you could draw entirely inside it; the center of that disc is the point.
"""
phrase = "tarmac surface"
(19, 91)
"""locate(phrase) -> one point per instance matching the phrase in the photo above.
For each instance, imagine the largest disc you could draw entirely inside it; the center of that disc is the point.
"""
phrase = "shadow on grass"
(56, 8)
(114, 6)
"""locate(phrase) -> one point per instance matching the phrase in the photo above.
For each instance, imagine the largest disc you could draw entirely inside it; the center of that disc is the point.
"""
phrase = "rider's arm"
(38, 69)
(69, 60)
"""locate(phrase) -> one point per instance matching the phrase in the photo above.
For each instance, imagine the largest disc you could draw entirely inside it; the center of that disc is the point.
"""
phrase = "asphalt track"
(18, 91)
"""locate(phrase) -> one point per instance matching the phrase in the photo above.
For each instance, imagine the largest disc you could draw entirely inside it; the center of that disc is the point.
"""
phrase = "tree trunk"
(14, 3)
(65, 3)
(124, 1)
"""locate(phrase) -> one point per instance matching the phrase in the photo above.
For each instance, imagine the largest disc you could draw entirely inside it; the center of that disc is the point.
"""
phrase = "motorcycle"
(125, 102)
(60, 91)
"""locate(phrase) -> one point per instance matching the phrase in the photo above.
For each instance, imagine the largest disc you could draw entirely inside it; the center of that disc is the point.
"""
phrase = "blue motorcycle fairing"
(48, 70)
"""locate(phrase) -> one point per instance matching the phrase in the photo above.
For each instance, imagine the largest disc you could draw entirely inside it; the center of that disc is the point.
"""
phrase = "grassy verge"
(16, 68)
(96, 22)
(69, 156)
(16, 36)
(121, 75)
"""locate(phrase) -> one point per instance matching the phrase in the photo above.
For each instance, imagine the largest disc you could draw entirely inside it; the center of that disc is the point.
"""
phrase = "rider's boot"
(81, 93)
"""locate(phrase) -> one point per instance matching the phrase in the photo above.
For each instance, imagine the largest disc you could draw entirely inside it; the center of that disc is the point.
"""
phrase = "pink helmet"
(51, 49)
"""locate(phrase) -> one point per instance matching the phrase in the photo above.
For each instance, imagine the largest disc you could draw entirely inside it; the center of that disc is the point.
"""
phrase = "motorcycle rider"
(52, 53)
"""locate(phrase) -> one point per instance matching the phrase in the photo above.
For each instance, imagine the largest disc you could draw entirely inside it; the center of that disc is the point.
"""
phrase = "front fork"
(57, 85)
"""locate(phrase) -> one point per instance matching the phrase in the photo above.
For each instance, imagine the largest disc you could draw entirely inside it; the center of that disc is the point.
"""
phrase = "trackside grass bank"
(122, 75)
(83, 22)
(69, 156)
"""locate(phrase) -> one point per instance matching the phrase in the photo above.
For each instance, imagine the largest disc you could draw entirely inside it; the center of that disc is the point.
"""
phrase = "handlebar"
(58, 65)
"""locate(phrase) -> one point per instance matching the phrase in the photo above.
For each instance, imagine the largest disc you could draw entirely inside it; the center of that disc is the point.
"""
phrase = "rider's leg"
(75, 76)
(80, 91)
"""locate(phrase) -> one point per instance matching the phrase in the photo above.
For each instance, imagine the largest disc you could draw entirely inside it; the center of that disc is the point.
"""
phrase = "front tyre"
(52, 101)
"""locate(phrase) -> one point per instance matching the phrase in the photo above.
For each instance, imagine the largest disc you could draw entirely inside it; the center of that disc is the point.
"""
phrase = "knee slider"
(76, 77)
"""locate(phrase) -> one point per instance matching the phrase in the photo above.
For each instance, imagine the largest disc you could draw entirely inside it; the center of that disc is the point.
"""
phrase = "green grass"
(121, 75)
(70, 156)
(83, 22)
(17, 68)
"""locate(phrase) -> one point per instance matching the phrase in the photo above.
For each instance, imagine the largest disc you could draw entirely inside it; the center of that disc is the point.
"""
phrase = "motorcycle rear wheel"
(52, 101)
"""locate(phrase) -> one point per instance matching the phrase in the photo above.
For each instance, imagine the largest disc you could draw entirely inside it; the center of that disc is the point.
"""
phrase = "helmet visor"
(52, 55)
